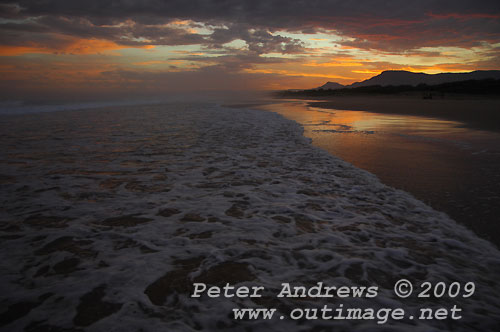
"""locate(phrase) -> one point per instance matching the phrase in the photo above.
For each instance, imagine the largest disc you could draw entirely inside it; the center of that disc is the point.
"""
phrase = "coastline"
(477, 113)
(444, 163)
(165, 196)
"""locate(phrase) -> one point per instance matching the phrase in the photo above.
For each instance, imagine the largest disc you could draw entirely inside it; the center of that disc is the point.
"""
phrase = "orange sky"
(58, 49)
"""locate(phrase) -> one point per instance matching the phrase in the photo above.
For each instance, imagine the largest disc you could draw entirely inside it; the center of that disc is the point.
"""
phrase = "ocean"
(111, 215)
(453, 168)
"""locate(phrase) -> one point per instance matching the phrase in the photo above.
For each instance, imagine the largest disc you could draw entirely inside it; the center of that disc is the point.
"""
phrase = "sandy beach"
(109, 225)
(474, 112)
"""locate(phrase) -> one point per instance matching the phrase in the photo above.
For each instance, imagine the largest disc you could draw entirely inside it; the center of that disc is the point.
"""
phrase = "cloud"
(373, 24)
(198, 42)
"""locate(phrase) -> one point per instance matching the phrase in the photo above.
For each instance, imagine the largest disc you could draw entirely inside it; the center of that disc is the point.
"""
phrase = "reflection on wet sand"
(452, 168)
(109, 225)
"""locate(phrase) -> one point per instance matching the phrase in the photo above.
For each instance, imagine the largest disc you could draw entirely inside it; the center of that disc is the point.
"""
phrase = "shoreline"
(474, 113)
(169, 195)
(466, 192)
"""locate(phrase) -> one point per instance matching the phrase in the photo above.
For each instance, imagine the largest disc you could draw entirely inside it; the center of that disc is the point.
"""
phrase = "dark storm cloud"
(386, 25)
(266, 13)
(258, 40)
(82, 28)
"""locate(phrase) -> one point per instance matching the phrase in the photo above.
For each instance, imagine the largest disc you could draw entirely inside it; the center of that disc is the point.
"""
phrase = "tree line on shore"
(468, 87)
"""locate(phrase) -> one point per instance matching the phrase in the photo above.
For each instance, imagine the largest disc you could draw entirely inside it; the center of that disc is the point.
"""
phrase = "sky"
(148, 47)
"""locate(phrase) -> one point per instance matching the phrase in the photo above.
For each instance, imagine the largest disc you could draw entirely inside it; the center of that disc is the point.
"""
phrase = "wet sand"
(474, 112)
(109, 216)
(444, 163)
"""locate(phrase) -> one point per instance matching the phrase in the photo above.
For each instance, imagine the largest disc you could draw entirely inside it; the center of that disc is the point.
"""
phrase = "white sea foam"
(215, 195)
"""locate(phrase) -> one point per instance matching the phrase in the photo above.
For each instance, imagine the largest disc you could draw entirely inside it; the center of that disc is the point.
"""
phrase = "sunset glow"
(247, 47)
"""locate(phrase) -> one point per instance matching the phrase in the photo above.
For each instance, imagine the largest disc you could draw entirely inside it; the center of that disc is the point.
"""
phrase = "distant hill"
(401, 77)
(382, 86)
(331, 86)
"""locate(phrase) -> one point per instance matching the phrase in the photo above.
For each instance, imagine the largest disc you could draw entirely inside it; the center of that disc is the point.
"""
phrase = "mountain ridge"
(403, 77)
(331, 86)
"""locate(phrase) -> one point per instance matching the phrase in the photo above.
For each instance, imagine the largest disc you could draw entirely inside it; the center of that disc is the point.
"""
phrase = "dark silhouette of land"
(402, 77)
(449, 89)
(476, 103)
